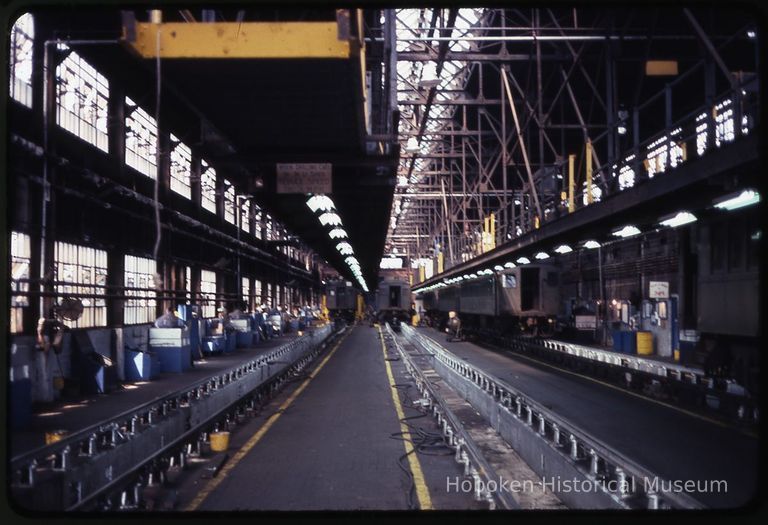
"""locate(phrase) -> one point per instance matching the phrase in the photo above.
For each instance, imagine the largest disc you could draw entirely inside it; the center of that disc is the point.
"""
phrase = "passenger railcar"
(393, 296)
(341, 299)
(521, 299)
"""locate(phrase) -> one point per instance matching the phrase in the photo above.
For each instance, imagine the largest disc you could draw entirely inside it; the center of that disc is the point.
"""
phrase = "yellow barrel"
(219, 441)
(55, 435)
(677, 355)
(415, 320)
(644, 343)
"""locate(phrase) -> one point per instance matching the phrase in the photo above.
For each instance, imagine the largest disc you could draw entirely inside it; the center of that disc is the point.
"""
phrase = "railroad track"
(688, 387)
(550, 443)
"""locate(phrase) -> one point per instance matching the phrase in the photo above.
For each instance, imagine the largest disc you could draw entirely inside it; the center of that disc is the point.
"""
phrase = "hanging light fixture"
(679, 219)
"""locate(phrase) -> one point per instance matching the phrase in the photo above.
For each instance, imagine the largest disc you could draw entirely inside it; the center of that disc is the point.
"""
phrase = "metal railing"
(73, 471)
(743, 405)
(728, 118)
(650, 366)
(475, 465)
(596, 459)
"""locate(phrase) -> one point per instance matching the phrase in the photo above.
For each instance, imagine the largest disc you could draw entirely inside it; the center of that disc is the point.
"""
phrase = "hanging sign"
(304, 178)
(658, 289)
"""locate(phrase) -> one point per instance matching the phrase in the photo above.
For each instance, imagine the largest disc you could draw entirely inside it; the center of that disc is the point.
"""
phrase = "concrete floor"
(333, 447)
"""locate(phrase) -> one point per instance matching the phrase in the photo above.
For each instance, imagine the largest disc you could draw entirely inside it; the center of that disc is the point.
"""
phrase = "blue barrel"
(618, 342)
(629, 343)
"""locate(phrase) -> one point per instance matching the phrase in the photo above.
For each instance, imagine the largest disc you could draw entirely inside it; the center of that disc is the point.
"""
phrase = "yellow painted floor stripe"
(422, 493)
(639, 396)
(245, 449)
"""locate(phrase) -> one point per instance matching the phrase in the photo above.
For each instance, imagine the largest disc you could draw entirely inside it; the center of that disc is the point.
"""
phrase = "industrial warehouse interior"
(386, 258)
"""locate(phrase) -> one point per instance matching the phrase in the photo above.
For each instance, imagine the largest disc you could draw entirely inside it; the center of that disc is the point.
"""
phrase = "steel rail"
(602, 460)
(475, 464)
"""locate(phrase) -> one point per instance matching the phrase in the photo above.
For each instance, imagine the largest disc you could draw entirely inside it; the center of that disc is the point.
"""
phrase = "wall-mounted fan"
(70, 308)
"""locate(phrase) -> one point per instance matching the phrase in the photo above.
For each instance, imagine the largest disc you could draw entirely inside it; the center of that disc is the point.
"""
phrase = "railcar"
(393, 299)
(513, 301)
(341, 299)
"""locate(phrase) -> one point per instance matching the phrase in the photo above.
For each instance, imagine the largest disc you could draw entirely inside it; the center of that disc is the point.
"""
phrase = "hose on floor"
(423, 441)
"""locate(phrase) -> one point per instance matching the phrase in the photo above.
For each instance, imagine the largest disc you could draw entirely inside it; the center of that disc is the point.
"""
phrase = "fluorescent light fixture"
(412, 146)
(345, 248)
(563, 248)
(337, 233)
(591, 245)
(509, 264)
(679, 219)
(542, 255)
(498, 268)
(626, 231)
(330, 218)
(621, 129)
(391, 263)
(745, 198)
(523, 260)
(320, 202)
(751, 34)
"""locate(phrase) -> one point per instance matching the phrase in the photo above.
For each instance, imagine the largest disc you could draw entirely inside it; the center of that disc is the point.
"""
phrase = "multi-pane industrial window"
(229, 202)
(724, 122)
(257, 291)
(626, 177)
(597, 194)
(268, 228)
(270, 298)
(246, 291)
(656, 160)
(208, 187)
(188, 283)
(245, 216)
(82, 94)
(19, 271)
(140, 304)
(22, 37)
(257, 219)
(140, 139)
(208, 292)
(83, 271)
(181, 168)
(701, 134)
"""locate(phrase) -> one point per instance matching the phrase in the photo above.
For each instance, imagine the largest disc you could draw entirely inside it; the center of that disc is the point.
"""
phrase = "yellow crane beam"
(255, 40)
